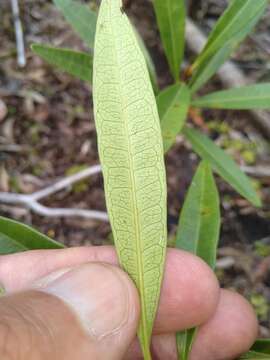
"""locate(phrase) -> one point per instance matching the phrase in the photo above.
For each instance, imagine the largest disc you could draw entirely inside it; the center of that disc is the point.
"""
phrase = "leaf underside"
(131, 154)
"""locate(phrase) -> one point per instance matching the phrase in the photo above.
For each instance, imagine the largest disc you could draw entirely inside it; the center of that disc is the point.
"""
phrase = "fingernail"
(97, 294)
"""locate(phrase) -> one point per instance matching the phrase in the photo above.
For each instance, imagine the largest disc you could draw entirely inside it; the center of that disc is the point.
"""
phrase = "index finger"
(189, 294)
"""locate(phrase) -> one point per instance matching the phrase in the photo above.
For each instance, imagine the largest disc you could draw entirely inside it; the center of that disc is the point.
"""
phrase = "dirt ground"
(48, 132)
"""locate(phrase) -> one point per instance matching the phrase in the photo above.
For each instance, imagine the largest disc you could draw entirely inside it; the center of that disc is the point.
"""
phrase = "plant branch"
(229, 73)
(31, 201)
(18, 33)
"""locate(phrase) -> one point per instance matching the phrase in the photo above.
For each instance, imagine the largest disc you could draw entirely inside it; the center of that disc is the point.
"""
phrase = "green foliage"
(248, 97)
(75, 63)
(199, 222)
(262, 345)
(232, 27)
(131, 154)
(171, 21)
(198, 232)
(81, 18)
(260, 305)
(173, 105)
(16, 237)
(222, 164)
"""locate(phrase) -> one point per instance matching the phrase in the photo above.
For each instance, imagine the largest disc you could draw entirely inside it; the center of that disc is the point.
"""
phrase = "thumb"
(87, 312)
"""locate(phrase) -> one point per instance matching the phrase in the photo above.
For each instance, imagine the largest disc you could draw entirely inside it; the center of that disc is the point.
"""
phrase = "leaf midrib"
(134, 206)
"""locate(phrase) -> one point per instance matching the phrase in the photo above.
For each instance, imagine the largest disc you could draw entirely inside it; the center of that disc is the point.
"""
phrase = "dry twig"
(31, 201)
(18, 33)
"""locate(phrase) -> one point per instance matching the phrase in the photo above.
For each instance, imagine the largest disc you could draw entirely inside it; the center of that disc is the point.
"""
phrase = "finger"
(88, 312)
(228, 334)
(189, 293)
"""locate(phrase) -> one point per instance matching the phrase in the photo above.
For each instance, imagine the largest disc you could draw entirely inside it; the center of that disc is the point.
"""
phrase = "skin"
(36, 324)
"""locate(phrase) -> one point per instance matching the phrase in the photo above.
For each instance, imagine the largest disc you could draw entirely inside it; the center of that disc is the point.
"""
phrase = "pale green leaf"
(80, 17)
(198, 232)
(83, 20)
(247, 97)
(235, 19)
(222, 164)
(16, 237)
(173, 105)
(171, 16)
(75, 63)
(225, 37)
(131, 154)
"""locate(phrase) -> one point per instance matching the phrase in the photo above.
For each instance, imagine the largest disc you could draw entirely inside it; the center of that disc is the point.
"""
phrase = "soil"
(48, 132)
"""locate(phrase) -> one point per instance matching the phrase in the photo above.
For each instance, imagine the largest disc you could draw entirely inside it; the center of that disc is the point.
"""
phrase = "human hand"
(76, 304)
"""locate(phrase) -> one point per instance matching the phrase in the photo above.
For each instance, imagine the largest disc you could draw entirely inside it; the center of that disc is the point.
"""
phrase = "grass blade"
(173, 105)
(131, 154)
(225, 37)
(222, 163)
(75, 63)
(198, 232)
(246, 97)
(80, 17)
(16, 237)
(171, 16)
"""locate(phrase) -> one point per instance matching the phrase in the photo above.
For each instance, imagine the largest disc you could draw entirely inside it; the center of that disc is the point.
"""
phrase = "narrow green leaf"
(173, 105)
(80, 17)
(15, 237)
(198, 232)
(199, 223)
(253, 355)
(171, 16)
(131, 154)
(75, 63)
(225, 38)
(207, 69)
(262, 345)
(234, 20)
(222, 164)
(184, 342)
(247, 97)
